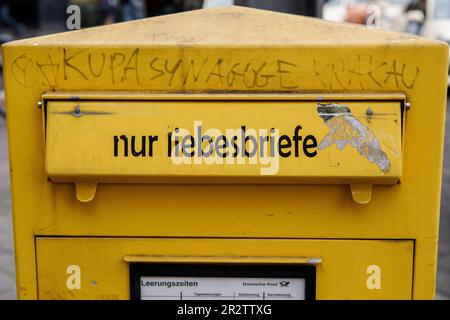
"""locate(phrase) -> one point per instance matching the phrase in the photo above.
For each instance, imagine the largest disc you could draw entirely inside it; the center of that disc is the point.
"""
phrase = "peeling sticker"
(345, 129)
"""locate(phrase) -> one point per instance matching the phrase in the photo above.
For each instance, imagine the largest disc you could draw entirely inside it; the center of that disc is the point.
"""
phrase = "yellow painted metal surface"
(131, 141)
(341, 275)
(259, 96)
(216, 259)
(179, 58)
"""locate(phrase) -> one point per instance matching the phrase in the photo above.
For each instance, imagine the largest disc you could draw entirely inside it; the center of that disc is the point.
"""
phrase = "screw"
(39, 104)
(77, 111)
(408, 105)
(369, 112)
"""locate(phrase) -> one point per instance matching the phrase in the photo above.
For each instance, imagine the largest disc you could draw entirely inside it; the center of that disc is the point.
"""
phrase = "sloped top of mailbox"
(227, 26)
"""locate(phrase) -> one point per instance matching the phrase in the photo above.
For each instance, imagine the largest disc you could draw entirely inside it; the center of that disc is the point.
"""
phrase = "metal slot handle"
(222, 259)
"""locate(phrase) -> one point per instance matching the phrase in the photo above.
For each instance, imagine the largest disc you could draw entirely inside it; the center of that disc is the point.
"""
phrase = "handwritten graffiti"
(25, 71)
(251, 75)
(142, 68)
(117, 63)
(364, 73)
(49, 71)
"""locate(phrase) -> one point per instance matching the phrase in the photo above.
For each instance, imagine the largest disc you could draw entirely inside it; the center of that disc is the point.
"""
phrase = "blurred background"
(27, 18)
(430, 18)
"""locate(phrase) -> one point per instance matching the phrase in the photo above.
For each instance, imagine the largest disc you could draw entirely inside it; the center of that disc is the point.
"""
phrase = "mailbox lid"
(130, 141)
(344, 272)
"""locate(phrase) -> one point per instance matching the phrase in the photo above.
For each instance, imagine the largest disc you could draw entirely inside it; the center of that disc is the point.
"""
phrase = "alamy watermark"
(73, 21)
(234, 146)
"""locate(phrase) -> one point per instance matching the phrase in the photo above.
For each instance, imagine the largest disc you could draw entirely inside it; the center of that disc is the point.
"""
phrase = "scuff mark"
(345, 129)
(89, 113)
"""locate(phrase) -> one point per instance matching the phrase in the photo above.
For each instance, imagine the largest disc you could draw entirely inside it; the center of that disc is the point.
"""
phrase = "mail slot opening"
(199, 144)
(358, 143)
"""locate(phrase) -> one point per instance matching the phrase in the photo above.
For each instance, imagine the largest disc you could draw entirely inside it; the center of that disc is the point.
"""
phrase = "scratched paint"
(345, 130)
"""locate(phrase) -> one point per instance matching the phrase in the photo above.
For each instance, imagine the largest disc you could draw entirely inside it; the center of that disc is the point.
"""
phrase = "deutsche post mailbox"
(226, 153)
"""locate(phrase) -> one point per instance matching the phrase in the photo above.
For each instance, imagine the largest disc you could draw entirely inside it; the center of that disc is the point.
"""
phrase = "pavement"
(7, 275)
(443, 276)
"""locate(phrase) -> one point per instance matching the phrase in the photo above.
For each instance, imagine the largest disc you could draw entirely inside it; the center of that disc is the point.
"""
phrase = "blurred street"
(443, 279)
(7, 275)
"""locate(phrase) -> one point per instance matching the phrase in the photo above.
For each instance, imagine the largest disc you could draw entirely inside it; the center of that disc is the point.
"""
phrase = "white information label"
(226, 288)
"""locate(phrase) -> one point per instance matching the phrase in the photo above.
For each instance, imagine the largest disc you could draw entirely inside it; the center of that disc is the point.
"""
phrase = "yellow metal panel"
(338, 143)
(242, 96)
(343, 274)
(288, 55)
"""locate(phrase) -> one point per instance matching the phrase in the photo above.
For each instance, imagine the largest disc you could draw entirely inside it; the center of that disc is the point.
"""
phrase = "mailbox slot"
(358, 143)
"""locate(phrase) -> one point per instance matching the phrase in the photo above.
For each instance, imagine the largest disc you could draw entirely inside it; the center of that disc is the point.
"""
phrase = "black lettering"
(307, 145)
(151, 140)
(125, 147)
(235, 146)
(169, 144)
(116, 146)
(272, 142)
(296, 139)
(134, 152)
(286, 145)
(210, 144)
(253, 151)
(185, 145)
(262, 141)
(220, 147)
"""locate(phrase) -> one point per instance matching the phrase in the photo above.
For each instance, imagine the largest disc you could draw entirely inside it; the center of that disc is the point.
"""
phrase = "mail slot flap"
(224, 141)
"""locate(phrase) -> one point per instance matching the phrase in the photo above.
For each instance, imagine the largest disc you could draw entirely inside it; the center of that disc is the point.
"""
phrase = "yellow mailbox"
(226, 153)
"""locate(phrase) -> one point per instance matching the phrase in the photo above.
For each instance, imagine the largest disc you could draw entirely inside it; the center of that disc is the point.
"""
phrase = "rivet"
(369, 112)
(77, 111)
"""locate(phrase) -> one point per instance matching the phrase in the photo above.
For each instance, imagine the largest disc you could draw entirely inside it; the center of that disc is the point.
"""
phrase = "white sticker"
(208, 288)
